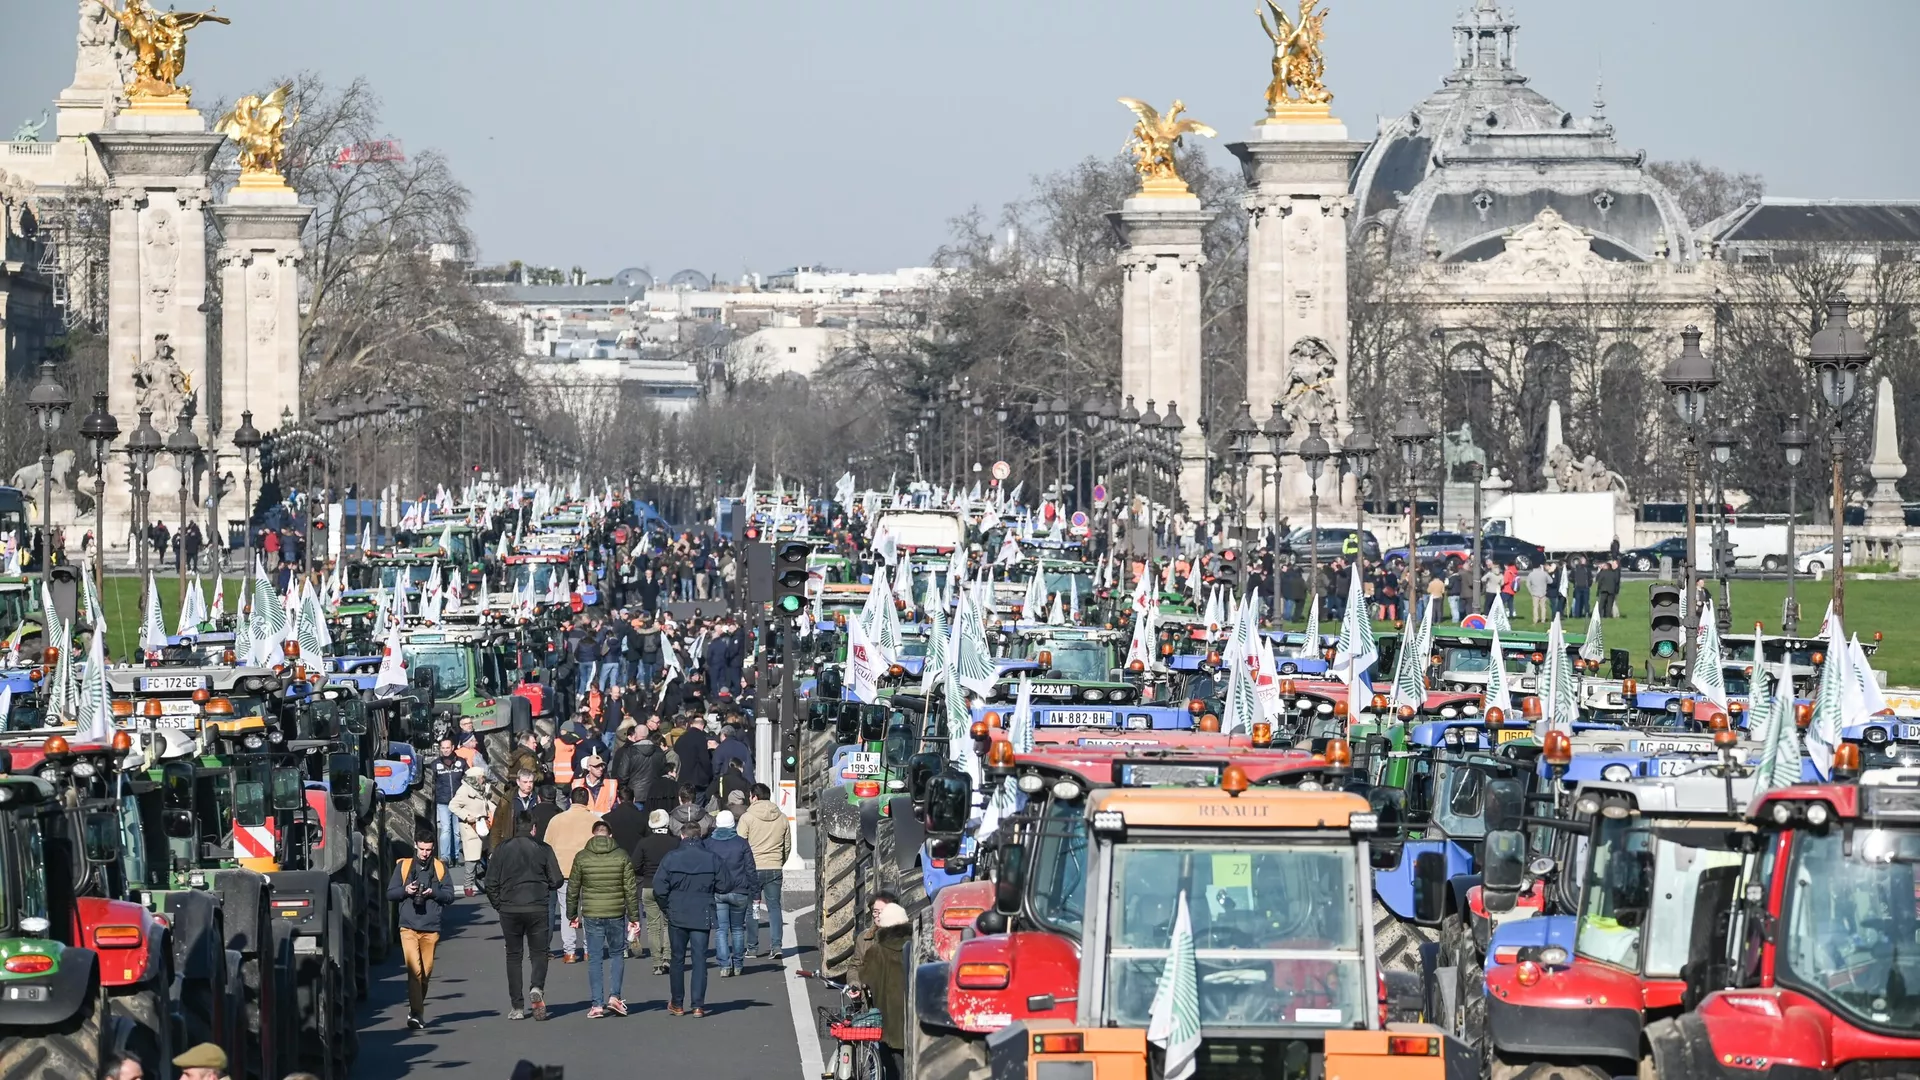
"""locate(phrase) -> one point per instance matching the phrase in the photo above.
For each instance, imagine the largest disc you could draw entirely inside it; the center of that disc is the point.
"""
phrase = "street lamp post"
(1411, 435)
(143, 446)
(1240, 434)
(1720, 442)
(1150, 449)
(1313, 454)
(1838, 356)
(1171, 428)
(1279, 431)
(246, 439)
(1126, 426)
(467, 408)
(1359, 450)
(99, 428)
(1793, 442)
(1689, 378)
(183, 446)
(49, 402)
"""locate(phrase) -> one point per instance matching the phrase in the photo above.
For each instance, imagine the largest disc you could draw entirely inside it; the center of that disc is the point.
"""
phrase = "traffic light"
(1668, 620)
(790, 576)
(317, 538)
(1226, 569)
(757, 568)
(790, 752)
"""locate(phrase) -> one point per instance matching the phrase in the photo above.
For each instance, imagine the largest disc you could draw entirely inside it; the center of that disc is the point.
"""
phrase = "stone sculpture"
(1152, 143)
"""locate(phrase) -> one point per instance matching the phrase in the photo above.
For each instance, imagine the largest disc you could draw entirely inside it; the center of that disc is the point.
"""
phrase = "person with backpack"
(421, 887)
(731, 907)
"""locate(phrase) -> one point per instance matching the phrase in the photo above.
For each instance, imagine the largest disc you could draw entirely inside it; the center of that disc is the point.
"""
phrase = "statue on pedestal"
(1152, 143)
(1458, 448)
(159, 383)
(29, 131)
(1298, 66)
(1309, 396)
(258, 126)
(158, 41)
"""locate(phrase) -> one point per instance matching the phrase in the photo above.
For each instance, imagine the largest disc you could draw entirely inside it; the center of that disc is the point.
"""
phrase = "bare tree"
(1704, 191)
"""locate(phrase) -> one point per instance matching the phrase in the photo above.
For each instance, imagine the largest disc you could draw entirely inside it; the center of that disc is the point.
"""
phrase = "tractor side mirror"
(1503, 867)
(288, 791)
(949, 802)
(179, 825)
(1011, 883)
(1506, 804)
(343, 777)
(102, 838)
(1429, 887)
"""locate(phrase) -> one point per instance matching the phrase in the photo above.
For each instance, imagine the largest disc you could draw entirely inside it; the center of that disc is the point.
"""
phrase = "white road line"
(805, 1032)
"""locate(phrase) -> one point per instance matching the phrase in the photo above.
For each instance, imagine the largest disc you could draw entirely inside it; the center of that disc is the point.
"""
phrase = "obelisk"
(1297, 161)
(1884, 514)
(156, 156)
(1160, 317)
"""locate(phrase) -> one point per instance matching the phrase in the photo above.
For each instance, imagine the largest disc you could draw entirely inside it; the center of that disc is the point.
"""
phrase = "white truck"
(1562, 521)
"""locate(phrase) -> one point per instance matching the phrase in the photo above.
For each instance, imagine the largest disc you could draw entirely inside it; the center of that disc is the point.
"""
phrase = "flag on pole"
(933, 667)
(1498, 695)
(1310, 648)
(973, 664)
(1355, 652)
(1780, 763)
(392, 679)
(1867, 699)
(1497, 616)
(193, 609)
(1594, 648)
(1708, 675)
(1410, 668)
(1173, 1020)
(864, 665)
(218, 608)
(1020, 725)
(1829, 710)
(1562, 705)
(153, 629)
(95, 722)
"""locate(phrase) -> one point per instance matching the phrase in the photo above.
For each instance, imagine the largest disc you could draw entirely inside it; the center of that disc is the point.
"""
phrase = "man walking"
(521, 875)
(513, 808)
(647, 855)
(1607, 584)
(694, 751)
(731, 906)
(1537, 592)
(603, 901)
(448, 770)
(1580, 577)
(764, 828)
(688, 880)
(567, 835)
(422, 888)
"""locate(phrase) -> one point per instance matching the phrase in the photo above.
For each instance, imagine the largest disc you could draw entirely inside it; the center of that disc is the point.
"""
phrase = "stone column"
(156, 165)
(1160, 319)
(1297, 169)
(1886, 521)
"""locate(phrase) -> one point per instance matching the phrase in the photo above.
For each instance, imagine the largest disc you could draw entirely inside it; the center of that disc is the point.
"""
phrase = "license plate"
(27, 993)
(178, 723)
(862, 763)
(179, 707)
(1668, 746)
(1502, 736)
(1052, 690)
(1081, 717)
(1910, 732)
(172, 682)
(1669, 767)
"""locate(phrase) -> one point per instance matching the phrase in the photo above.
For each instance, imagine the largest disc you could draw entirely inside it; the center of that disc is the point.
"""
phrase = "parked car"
(1331, 542)
(1815, 562)
(1456, 549)
(1647, 559)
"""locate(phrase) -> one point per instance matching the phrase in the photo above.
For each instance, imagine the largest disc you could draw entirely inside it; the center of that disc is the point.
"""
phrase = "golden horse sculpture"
(158, 41)
(1152, 144)
(1299, 68)
(258, 126)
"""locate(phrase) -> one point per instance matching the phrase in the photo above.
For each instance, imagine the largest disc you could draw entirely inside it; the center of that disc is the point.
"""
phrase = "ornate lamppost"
(246, 439)
(1240, 434)
(1793, 443)
(1838, 356)
(183, 446)
(48, 401)
(1171, 428)
(143, 445)
(1278, 431)
(1149, 425)
(1359, 451)
(1689, 377)
(1720, 443)
(1313, 452)
(99, 428)
(1411, 435)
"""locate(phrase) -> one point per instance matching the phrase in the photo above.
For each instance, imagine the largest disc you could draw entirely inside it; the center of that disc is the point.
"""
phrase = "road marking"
(812, 1064)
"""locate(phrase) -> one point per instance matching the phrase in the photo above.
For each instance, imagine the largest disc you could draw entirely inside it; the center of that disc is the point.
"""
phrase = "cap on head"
(658, 820)
(723, 820)
(204, 1055)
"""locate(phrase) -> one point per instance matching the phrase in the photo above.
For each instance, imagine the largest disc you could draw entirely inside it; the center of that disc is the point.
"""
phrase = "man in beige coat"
(765, 829)
(567, 835)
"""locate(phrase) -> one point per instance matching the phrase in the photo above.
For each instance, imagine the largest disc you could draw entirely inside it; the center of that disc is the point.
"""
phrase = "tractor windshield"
(1640, 892)
(32, 901)
(536, 578)
(1276, 935)
(449, 666)
(1852, 915)
(1058, 885)
(1080, 661)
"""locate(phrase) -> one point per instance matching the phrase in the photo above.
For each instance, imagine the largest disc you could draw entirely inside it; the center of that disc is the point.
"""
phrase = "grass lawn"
(1871, 606)
(121, 597)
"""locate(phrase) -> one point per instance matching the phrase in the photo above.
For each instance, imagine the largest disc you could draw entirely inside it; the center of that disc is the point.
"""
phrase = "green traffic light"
(1665, 648)
(789, 605)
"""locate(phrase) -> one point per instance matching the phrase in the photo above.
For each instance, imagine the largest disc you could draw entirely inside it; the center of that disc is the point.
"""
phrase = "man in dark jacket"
(646, 854)
(521, 874)
(626, 819)
(695, 753)
(603, 900)
(1607, 584)
(516, 806)
(421, 887)
(733, 744)
(639, 761)
(448, 770)
(685, 885)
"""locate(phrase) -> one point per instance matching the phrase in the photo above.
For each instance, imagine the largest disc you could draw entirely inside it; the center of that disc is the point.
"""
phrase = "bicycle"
(855, 1029)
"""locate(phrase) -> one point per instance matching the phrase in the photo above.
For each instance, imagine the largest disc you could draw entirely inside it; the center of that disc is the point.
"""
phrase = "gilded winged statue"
(1298, 66)
(157, 41)
(1154, 138)
(258, 126)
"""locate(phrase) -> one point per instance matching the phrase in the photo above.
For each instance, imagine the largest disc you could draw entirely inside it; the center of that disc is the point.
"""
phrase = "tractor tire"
(251, 1026)
(374, 914)
(1468, 1024)
(343, 1040)
(841, 900)
(73, 1048)
(909, 885)
(937, 1055)
(816, 754)
(1396, 943)
(197, 1010)
(151, 1018)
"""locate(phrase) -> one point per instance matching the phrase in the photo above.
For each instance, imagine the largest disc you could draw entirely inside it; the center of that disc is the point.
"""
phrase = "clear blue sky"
(754, 135)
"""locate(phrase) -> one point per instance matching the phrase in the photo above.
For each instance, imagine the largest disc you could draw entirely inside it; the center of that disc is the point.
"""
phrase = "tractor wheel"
(937, 1055)
(1397, 943)
(151, 1016)
(1468, 1024)
(839, 913)
(816, 754)
(73, 1048)
(910, 885)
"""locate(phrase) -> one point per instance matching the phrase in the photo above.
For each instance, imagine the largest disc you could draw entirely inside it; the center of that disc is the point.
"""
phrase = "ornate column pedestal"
(1297, 168)
(1160, 319)
(156, 163)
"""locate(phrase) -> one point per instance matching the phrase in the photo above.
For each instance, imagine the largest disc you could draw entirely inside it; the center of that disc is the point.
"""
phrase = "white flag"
(864, 665)
(1173, 1020)
(392, 679)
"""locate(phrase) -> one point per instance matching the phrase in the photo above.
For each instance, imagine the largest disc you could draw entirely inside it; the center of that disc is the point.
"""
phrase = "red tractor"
(1009, 949)
(1807, 963)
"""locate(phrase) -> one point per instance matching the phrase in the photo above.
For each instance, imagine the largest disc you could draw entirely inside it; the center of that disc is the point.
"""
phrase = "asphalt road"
(751, 1032)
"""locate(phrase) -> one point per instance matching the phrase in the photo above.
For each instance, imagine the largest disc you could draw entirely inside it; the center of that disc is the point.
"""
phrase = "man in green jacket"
(602, 892)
